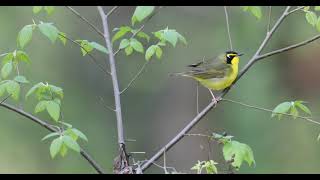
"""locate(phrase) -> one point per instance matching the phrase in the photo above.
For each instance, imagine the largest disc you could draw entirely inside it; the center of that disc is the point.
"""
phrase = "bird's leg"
(214, 99)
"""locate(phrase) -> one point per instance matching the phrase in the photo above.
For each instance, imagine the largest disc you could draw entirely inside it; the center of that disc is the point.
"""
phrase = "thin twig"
(49, 127)
(196, 119)
(197, 97)
(228, 27)
(135, 77)
(112, 11)
(95, 61)
(269, 110)
(297, 9)
(269, 19)
(2, 101)
(85, 20)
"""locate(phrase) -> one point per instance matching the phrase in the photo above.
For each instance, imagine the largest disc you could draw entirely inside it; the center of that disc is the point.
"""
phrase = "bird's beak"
(240, 54)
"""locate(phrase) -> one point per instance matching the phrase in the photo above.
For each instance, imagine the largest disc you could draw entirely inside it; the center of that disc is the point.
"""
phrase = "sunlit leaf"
(55, 146)
(6, 70)
(311, 18)
(281, 108)
(53, 109)
(49, 30)
(123, 30)
(50, 135)
(25, 35)
(239, 152)
(140, 13)
(68, 141)
(136, 45)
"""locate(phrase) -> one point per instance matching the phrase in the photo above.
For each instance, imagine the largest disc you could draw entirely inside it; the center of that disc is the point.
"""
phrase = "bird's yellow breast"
(223, 82)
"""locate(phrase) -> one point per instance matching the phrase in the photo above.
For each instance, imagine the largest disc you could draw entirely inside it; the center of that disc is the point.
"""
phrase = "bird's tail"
(179, 74)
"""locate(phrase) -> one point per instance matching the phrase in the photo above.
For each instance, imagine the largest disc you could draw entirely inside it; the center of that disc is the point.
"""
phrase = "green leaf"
(256, 11)
(68, 141)
(49, 9)
(211, 167)
(136, 45)
(2, 89)
(21, 79)
(49, 30)
(141, 13)
(302, 107)
(56, 90)
(239, 152)
(53, 109)
(124, 43)
(182, 39)
(128, 50)
(36, 9)
(63, 150)
(318, 24)
(143, 35)
(22, 56)
(317, 8)
(198, 167)
(281, 108)
(50, 135)
(99, 47)
(41, 106)
(70, 133)
(57, 101)
(25, 35)
(56, 146)
(86, 47)
(123, 30)
(311, 18)
(306, 8)
(13, 88)
(6, 70)
(34, 88)
(159, 35)
(7, 58)
(62, 36)
(150, 52)
(245, 8)
(79, 134)
(171, 36)
(294, 112)
(158, 52)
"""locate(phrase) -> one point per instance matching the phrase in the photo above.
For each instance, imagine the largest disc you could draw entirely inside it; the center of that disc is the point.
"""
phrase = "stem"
(49, 127)
(228, 28)
(114, 77)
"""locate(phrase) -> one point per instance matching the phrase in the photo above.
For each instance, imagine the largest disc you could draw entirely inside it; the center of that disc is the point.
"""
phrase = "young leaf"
(2, 89)
(136, 45)
(256, 11)
(198, 167)
(22, 56)
(63, 150)
(25, 35)
(33, 89)
(99, 47)
(211, 167)
(86, 47)
(56, 146)
(182, 39)
(49, 30)
(281, 108)
(21, 79)
(124, 43)
(245, 8)
(53, 109)
(6, 70)
(158, 52)
(302, 107)
(239, 151)
(62, 36)
(7, 58)
(317, 8)
(128, 50)
(13, 88)
(294, 112)
(49, 9)
(141, 13)
(318, 24)
(123, 30)
(36, 9)
(56, 90)
(150, 52)
(171, 36)
(41, 106)
(68, 141)
(79, 134)
(143, 35)
(311, 18)
(50, 135)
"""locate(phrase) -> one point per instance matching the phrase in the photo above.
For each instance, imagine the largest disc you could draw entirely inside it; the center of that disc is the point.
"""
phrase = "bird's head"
(232, 57)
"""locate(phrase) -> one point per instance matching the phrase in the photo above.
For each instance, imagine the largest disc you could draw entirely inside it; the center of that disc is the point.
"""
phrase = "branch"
(135, 77)
(269, 110)
(51, 128)
(85, 20)
(123, 157)
(112, 11)
(195, 120)
(228, 28)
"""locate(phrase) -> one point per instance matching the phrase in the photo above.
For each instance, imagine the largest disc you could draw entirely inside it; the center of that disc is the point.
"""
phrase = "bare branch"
(112, 11)
(52, 128)
(85, 20)
(269, 19)
(2, 101)
(228, 27)
(135, 77)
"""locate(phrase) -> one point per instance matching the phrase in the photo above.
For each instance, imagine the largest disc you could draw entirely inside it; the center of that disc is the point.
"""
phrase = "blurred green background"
(157, 106)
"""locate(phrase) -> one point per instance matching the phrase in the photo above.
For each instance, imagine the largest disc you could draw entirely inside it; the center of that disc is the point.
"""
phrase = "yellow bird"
(216, 74)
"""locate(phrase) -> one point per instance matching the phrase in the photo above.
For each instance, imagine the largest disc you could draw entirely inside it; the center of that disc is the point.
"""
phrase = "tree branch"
(123, 158)
(51, 128)
(85, 20)
(228, 27)
(195, 120)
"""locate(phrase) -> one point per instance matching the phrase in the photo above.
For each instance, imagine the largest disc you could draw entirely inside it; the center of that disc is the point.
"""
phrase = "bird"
(217, 73)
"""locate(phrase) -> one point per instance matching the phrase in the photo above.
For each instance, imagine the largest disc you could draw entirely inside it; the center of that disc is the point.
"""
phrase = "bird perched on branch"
(217, 73)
